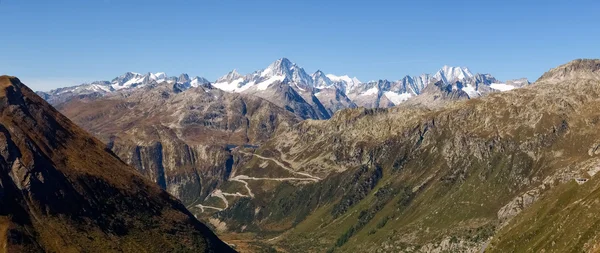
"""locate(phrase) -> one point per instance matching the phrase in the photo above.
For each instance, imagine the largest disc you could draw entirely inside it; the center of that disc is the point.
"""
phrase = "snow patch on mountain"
(265, 84)
(233, 86)
(371, 91)
(344, 78)
(347, 82)
(501, 86)
(471, 91)
(397, 98)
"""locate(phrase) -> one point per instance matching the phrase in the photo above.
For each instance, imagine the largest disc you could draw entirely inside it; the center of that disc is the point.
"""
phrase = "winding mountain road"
(283, 166)
(218, 193)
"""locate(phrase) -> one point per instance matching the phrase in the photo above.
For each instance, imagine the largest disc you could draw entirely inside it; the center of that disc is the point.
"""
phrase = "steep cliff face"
(411, 179)
(180, 140)
(61, 190)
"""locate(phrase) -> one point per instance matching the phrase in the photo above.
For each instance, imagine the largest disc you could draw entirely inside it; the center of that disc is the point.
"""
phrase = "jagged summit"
(321, 80)
(449, 74)
(183, 78)
(281, 66)
(576, 69)
(281, 78)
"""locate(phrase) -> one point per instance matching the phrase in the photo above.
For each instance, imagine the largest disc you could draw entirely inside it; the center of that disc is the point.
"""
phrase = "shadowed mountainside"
(61, 190)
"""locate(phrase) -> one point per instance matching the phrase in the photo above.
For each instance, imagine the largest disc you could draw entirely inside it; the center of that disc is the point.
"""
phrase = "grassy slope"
(506, 144)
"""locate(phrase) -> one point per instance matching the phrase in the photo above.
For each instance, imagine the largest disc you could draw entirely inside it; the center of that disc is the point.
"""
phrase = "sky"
(57, 43)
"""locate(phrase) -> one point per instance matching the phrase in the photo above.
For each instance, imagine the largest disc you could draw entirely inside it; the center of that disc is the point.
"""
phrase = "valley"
(299, 126)
(442, 171)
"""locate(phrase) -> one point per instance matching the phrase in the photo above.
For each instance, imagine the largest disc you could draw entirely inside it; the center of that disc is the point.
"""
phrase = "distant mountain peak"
(158, 75)
(284, 60)
(449, 74)
(321, 80)
(183, 78)
(232, 75)
(281, 66)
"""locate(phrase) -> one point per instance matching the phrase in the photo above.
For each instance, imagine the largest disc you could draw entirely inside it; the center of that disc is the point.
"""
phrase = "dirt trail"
(243, 179)
(211, 207)
(283, 166)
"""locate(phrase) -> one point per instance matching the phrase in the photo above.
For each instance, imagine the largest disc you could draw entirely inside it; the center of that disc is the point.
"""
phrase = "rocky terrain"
(180, 140)
(489, 173)
(447, 170)
(61, 190)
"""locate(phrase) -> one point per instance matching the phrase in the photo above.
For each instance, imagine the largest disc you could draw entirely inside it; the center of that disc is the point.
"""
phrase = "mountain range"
(314, 96)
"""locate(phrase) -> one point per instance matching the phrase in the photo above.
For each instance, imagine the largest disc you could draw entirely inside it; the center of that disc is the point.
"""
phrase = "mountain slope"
(62, 191)
(409, 179)
(180, 140)
(565, 219)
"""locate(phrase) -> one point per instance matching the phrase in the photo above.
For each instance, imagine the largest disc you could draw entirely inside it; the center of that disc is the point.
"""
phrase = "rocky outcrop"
(517, 205)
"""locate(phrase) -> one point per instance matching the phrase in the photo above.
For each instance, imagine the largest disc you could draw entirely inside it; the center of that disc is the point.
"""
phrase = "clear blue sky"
(64, 42)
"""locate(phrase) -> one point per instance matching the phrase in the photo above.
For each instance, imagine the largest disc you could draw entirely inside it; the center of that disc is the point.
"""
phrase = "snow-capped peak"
(230, 77)
(158, 76)
(344, 78)
(234, 74)
(345, 82)
(278, 68)
(449, 74)
(321, 80)
(198, 81)
(284, 69)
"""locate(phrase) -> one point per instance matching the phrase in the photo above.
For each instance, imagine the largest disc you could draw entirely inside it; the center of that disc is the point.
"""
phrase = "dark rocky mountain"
(61, 190)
